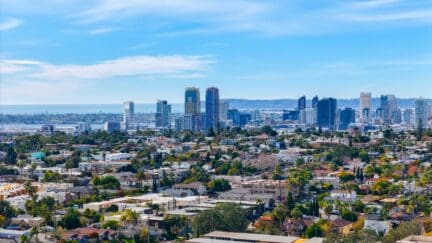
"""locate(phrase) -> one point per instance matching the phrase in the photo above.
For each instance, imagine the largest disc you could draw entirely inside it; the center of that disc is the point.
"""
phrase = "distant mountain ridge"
(277, 104)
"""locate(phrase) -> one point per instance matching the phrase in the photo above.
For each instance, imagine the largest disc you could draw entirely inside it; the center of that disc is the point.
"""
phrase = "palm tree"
(129, 216)
(154, 206)
(21, 164)
(328, 208)
(141, 176)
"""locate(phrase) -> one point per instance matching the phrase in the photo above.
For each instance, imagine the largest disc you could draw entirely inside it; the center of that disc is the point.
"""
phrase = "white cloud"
(20, 78)
(16, 66)
(210, 9)
(197, 17)
(417, 15)
(10, 23)
(127, 66)
(99, 31)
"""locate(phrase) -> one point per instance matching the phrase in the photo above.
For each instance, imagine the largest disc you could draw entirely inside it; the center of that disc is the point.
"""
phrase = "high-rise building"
(128, 113)
(397, 116)
(310, 114)
(192, 109)
(365, 106)
(112, 126)
(234, 116)
(244, 118)
(421, 113)
(239, 118)
(179, 124)
(326, 113)
(83, 127)
(290, 115)
(192, 101)
(346, 117)
(212, 108)
(408, 117)
(301, 103)
(388, 107)
(163, 114)
(315, 102)
(48, 128)
(223, 110)
(256, 115)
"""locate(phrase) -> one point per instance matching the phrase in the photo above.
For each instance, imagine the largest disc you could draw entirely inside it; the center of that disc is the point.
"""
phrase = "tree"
(364, 156)
(299, 162)
(154, 206)
(24, 239)
(31, 190)
(11, 155)
(314, 230)
(290, 202)
(111, 224)
(144, 235)
(51, 176)
(269, 131)
(279, 214)
(328, 208)
(403, 230)
(173, 225)
(34, 232)
(129, 217)
(207, 221)
(346, 176)
(2, 220)
(219, 185)
(277, 172)
(71, 219)
(6, 210)
(381, 187)
(296, 212)
(349, 215)
(106, 182)
(225, 217)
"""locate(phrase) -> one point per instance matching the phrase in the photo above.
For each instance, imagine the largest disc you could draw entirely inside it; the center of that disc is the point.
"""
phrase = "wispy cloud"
(272, 17)
(415, 15)
(99, 31)
(211, 9)
(21, 77)
(9, 23)
(125, 66)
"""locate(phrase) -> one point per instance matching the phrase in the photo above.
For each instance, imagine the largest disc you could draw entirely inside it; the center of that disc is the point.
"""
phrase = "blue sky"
(108, 51)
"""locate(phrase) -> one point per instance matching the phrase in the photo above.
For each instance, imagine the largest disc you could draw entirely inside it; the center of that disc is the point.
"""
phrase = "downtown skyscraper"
(365, 106)
(192, 117)
(389, 109)
(163, 114)
(128, 113)
(421, 113)
(301, 103)
(326, 113)
(212, 108)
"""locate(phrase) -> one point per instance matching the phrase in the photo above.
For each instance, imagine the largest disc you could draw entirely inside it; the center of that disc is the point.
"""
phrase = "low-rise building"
(277, 188)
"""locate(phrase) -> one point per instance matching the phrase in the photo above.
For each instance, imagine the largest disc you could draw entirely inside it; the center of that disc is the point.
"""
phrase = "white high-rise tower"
(365, 106)
(128, 113)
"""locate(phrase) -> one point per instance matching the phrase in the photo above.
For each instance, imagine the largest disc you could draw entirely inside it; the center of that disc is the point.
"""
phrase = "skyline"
(106, 52)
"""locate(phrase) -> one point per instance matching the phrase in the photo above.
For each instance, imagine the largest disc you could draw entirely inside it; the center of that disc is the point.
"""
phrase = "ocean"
(80, 109)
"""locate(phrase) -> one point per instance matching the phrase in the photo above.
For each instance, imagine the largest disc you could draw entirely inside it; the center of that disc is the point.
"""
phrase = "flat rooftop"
(248, 237)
